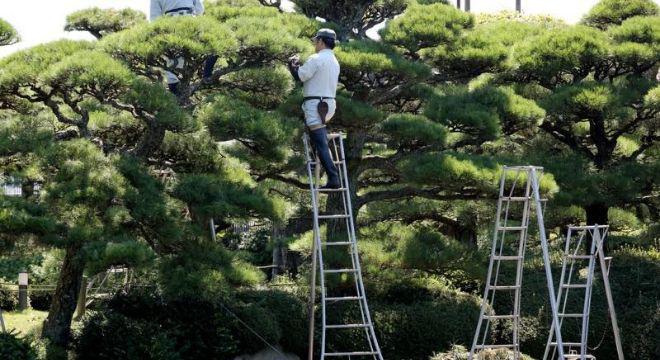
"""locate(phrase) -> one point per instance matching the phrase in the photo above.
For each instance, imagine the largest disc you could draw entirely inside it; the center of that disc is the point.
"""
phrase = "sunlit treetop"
(8, 35)
(100, 22)
(614, 12)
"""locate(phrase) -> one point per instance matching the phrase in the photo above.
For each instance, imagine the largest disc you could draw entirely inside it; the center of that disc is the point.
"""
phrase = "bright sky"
(39, 21)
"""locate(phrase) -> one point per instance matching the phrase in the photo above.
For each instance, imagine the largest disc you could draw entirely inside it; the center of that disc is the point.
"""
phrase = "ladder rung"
(507, 257)
(574, 286)
(554, 343)
(337, 243)
(339, 271)
(354, 353)
(495, 346)
(576, 315)
(504, 287)
(578, 356)
(521, 167)
(579, 257)
(515, 198)
(347, 326)
(512, 228)
(335, 162)
(508, 316)
(344, 298)
(587, 227)
(333, 216)
(330, 190)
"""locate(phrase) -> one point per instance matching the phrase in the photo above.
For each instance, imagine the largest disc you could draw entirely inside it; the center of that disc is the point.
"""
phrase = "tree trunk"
(597, 214)
(150, 141)
(57, 327)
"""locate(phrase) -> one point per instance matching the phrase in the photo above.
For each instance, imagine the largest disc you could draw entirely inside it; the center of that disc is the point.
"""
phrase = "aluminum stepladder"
(574, 253)
(518, 194)
(336, 144)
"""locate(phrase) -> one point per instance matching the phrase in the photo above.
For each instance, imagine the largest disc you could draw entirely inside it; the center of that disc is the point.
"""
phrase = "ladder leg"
(610, 300)
(562, 276)
(522, 243)
(546, 261)
(490, 269)
(587, 296)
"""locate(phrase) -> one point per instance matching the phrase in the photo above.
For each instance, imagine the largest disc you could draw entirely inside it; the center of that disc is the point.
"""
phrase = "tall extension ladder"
(336, 145)
(518, 196)
(573, 255)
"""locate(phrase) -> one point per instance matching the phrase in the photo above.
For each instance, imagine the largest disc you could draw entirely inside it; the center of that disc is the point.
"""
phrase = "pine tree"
(597, 86)
(406, 136)
(115, 131)
(8, 35)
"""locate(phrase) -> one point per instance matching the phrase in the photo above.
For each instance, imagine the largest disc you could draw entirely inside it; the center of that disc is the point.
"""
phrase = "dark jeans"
(319, 138)
(208, 66)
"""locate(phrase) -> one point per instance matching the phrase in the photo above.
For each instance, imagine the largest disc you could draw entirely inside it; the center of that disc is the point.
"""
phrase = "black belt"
(306, 98)
(190, 10)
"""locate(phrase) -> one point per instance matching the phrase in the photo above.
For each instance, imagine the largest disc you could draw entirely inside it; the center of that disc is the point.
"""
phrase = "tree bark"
(57, 327)
(597, 214)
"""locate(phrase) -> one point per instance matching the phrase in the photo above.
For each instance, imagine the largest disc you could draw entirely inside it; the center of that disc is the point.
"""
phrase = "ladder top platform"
(524, 167)
(587, 227)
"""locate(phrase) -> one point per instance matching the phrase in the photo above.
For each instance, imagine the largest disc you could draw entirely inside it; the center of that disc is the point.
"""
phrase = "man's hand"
(294, 61)
(294, 64)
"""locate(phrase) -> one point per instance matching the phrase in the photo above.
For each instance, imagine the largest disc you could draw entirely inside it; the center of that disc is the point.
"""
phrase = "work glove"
(293, 65)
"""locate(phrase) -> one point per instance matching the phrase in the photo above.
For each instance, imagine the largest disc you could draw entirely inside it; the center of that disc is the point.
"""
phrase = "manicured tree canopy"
(600, 110)
(405, 139)
(8, 35)
(614, 12)
(100, 22)
(116, 132)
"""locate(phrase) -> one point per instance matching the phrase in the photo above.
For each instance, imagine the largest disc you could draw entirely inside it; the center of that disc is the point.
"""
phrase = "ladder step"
(337, 243)
(347, 326)
(574, 286)
(495, 346)
(339, 271)
(333, 216)
(335, 162)
(354, 353)
(330, 190)
(578, 356)
(512, 228)
(579, 257)
(507, 257)
(554, 343)
(570, 315)
(504, 287)
(344, 298)
(515, 198)
(493, 317)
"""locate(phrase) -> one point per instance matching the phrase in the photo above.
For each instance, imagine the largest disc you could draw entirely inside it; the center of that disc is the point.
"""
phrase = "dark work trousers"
(319, 138)
(208, 66)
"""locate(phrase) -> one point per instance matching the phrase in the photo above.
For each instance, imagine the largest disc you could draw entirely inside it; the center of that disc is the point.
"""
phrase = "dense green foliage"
(12, 347)
(8, 35)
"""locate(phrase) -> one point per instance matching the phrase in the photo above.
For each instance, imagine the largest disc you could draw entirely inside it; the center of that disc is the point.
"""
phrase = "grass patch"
(24, 322)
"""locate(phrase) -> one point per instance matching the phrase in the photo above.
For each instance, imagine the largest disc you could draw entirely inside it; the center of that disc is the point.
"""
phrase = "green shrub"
(8, 298)
(15, 348)
(41, 300)
(192, 329)
(290, 313)
(622, 220)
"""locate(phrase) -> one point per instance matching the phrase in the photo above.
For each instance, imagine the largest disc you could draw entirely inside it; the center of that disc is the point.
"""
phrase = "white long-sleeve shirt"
(320, 74)
(161, 7)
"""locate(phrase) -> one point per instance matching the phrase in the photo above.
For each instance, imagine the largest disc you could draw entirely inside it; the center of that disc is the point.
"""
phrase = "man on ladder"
(319, 76)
